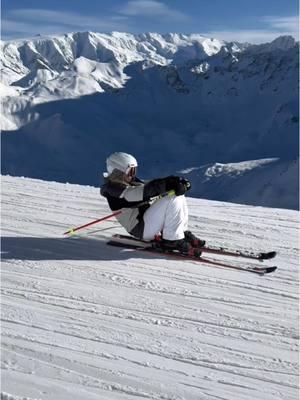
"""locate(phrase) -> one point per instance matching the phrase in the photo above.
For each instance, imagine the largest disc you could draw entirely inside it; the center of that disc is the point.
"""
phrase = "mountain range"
(225, 115)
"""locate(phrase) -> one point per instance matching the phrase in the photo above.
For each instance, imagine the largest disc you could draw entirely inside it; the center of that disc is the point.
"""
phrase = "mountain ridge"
(193, 100)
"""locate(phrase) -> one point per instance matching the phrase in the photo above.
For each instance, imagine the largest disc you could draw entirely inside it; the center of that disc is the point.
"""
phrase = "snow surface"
(81, 320)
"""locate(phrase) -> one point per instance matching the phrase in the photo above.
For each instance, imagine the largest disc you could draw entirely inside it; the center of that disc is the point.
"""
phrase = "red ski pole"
(72, 230)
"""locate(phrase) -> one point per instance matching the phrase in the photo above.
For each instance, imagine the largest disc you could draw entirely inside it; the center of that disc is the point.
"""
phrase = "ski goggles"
(131, 172)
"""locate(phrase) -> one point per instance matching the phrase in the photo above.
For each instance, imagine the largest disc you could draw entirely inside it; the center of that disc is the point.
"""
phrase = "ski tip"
(267, 256)
(264, 270)
(270, 269)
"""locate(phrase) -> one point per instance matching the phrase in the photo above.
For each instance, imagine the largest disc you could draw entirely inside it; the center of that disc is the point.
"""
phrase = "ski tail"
(267, 256)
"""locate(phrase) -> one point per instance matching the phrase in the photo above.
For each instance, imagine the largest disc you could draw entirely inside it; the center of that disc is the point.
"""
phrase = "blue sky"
(254, 21)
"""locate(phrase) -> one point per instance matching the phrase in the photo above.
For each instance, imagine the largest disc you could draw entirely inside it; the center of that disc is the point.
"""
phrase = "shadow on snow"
(45, 248)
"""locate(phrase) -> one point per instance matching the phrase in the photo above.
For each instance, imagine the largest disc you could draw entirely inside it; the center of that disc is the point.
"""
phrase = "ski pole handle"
(155, 198)
(160, 196)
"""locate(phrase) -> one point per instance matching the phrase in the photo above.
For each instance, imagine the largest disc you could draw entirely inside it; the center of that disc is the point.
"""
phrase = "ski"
(207, 249)
(124, 241)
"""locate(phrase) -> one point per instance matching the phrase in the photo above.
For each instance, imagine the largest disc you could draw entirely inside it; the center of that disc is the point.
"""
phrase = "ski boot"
(194, 240)
(181, 246)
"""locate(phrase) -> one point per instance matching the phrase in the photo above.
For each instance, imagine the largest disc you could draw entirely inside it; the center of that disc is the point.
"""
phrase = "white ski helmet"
(120, 161)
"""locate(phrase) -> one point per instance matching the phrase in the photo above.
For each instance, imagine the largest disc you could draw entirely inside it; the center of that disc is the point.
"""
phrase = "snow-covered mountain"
(269, 180)
(175, 101)
(79, 64)
(82, 320)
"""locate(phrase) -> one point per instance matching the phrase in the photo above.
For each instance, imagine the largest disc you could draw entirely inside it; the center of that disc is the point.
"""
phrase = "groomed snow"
(82, 320)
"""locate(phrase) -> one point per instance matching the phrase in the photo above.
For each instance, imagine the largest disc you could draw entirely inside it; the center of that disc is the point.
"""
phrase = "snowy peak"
(22, 59)
(283, 43)
(46, 69)
(58, 53)
(216, 102)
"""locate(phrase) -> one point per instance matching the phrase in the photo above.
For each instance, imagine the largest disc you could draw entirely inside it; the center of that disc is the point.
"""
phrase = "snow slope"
(81, 320)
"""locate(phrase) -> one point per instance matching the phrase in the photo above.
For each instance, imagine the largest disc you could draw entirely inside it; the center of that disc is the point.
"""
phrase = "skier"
(167, 216)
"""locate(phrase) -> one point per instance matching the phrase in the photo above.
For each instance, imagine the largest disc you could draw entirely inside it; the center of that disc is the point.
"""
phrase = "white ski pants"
(168, 216)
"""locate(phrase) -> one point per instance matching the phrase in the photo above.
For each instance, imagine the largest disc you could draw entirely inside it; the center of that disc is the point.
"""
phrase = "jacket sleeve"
(154, 188)
(134, 194)
(145, 192)
(121, 195)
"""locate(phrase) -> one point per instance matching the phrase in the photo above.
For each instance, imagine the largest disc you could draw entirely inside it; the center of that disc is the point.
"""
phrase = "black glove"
(171, 182)
(178, 184)
(183, 186)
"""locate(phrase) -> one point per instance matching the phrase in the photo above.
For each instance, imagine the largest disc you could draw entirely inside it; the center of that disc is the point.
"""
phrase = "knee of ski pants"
(155, 215)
